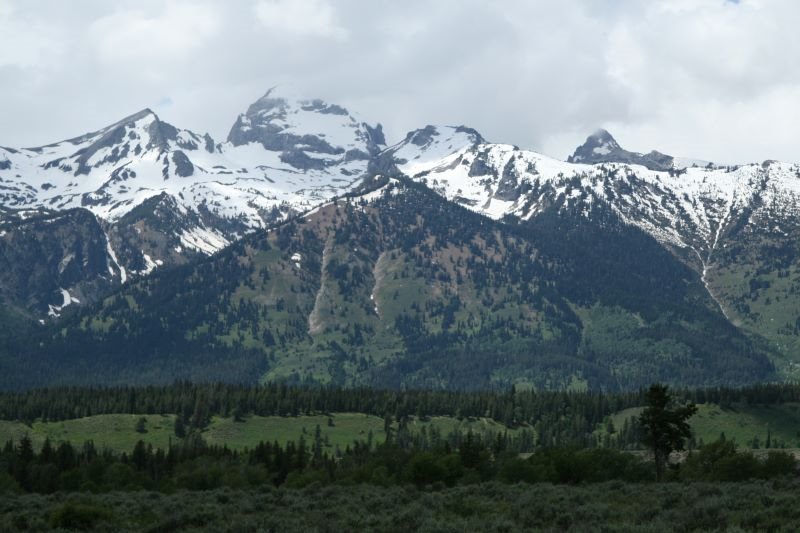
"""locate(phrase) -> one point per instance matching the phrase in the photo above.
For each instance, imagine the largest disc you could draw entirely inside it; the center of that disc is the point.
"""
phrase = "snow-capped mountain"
(163, 194)
(737, 226)
(159, 195)
(573, 243)
(280, 155)
(682, 207)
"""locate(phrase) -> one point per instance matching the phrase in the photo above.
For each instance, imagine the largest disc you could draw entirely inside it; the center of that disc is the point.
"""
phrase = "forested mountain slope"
(736, 226)
(398, 287)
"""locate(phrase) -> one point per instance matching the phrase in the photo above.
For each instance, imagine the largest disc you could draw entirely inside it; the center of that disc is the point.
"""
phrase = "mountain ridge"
(218, 191)
(162, 198)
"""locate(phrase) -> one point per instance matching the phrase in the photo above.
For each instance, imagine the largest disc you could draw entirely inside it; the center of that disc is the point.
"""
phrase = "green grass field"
(115, 432)
(347, 428)
(742, 424)
(118, 433)
(739, 423)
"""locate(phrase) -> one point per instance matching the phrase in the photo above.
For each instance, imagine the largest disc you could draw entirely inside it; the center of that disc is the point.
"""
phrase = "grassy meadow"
(118, 433)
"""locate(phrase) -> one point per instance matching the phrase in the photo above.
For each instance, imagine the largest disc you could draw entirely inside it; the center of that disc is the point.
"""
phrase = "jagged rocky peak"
(598, 144)
(135, 133)
(310, 134)
(162, 135)
(430, 135)
(130, 137)
(145, 120)
(601, 147)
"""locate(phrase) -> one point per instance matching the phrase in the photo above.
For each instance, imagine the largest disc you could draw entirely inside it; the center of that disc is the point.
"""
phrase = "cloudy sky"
(713, 79)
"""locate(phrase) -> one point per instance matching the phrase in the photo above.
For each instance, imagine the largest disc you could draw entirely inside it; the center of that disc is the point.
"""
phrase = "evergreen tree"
(664, 426)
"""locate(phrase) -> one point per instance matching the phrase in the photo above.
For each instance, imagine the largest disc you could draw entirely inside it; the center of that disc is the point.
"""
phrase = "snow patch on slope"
(55, 310)
(113, 256)
(150, 264)
(203, 240)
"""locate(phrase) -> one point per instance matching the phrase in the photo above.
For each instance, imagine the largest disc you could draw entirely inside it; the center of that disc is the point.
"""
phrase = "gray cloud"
(704, 78)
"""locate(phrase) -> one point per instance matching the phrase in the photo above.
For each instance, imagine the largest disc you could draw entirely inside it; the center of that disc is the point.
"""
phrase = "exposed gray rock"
(54, 163)
(376, 136)
(477, 138)
(383, 164)
(111, 138)
(209, 143)
(265, 123)
(273, 138)
(481, 167)
(508, 188)
(91, 135)
(187, 144)
(601, 147)
(300, 160)
(121, 143)
(183, 167)
(658, 161)
(422, 137)
(322, 107)
(100, 197)
(268, 105)
(160, 133)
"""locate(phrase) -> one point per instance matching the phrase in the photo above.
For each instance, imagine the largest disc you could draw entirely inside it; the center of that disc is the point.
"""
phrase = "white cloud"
(300, 18)
(701, 78)
(169, 36)
(26, 41)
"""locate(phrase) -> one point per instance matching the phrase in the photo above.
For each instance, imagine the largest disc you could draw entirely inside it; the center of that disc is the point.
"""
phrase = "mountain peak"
(601, 133)
(599, 143)
(267, 104)
(145, 114)
(93, 135)
(140, 115)
(309, 133)
(423, 137)
(601, 147)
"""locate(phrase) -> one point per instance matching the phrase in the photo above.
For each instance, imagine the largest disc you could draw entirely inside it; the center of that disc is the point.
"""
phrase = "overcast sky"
(711, 79)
